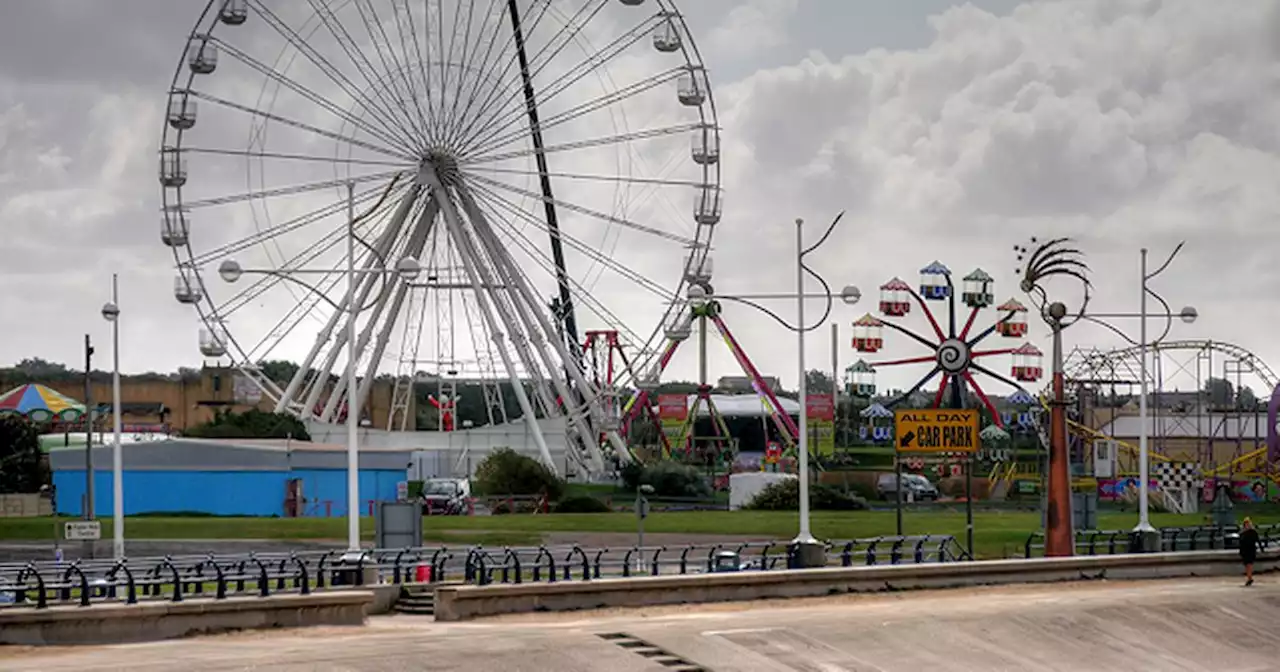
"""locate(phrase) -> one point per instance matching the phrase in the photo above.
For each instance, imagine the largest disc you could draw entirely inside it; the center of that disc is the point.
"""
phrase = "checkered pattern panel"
(1176, 475)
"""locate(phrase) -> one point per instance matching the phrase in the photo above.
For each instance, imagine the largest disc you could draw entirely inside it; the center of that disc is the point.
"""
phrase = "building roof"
(184, 454)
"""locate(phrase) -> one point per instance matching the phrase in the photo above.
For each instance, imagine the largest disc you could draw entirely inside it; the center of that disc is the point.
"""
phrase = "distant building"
(742, 384)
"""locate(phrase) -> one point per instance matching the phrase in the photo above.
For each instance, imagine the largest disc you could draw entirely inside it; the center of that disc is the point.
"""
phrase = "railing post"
(846, 554)
(657, 553)
(599, 554)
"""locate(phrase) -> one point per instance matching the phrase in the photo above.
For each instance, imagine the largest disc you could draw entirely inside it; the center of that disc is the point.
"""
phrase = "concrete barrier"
(456, 603)
(149, 621)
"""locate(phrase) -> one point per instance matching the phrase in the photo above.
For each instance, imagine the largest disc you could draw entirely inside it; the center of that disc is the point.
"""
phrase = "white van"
(915, 488)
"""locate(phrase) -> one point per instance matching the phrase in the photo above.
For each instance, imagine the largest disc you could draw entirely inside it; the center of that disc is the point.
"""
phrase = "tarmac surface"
(1185, 625)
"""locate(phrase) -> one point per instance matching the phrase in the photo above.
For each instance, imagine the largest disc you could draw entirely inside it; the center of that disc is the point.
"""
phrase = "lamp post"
(1145, 531)
(111, 313)
(806, 550)
(407, 269)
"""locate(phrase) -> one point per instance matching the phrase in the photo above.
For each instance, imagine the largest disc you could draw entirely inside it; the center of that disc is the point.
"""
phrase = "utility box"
(397, 525)
(1224, 514)
(1084, 510)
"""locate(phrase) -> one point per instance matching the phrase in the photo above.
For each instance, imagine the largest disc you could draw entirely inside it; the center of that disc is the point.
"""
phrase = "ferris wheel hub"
(445, 164)
(953, 356)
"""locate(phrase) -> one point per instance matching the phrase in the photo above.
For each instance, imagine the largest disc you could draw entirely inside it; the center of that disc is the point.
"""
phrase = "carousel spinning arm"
(951, 307)
(982, 396)
(942, 389)
(913, 335)
(989, 330)
(933, 322)
(914, 388)
(992, 374)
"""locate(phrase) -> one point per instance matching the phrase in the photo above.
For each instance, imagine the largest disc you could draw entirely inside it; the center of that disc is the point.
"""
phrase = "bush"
(785, 496)
(506, 472)
(668, 479)
(581, 504)
(251, 424)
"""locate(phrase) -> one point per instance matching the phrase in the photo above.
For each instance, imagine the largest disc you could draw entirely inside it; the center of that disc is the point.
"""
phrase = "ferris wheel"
(543, 167)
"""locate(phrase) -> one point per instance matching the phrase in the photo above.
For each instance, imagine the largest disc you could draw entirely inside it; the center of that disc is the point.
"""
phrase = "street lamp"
(406, 268)
(808, 551)
(1145, 531)
(111, 313)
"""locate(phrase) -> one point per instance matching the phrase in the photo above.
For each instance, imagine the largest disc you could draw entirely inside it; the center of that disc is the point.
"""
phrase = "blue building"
(227, 478)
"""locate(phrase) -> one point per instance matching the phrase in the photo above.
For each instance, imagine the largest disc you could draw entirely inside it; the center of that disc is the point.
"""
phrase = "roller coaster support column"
(1058, 536)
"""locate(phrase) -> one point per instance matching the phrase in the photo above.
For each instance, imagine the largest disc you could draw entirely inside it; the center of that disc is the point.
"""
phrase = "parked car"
(446, 496)
(915, 488)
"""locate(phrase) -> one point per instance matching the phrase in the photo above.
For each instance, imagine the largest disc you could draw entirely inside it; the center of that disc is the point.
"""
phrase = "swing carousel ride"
(502, 176)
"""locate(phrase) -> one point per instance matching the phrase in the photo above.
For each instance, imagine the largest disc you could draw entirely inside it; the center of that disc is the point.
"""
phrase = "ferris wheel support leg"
(317, 382)
(537, 326)
(367, 282)
(453, 224)
(417, 242)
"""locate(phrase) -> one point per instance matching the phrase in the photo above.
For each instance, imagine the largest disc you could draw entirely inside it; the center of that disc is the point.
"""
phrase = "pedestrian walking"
(1248, 549)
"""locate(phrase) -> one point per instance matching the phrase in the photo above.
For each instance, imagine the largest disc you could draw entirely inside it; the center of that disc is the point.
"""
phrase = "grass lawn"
(996, 534)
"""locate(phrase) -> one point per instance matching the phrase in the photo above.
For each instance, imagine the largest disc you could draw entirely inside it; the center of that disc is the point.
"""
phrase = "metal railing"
(176, 578)
(520, 565)
(1172, 539)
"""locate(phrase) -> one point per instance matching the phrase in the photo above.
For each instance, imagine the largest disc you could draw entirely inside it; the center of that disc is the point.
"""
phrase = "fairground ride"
(953, 352)
(524, 157)
(1201, 408)
(707, 315)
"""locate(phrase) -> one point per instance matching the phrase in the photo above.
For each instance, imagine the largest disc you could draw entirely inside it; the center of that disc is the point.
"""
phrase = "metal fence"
(175, 578)
(1172, 539)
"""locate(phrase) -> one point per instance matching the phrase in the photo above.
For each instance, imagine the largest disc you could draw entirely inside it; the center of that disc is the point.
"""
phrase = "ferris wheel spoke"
(512, 111)
(982, 396)
(462, 59)
(264, 235)
(992, 374)
(630, 179)
(942, 390)
(494, 141)
(288, 191)
(380, 149)
(421, 91)
(912, 335)
(252, 154)
(517, 27)
(481, 70)
(662, 131)
(366, 69)
(388, 111)
(394, 70)
(381, 131)
(495, 200)
(559, 203)
(540, 257)
(914, 388)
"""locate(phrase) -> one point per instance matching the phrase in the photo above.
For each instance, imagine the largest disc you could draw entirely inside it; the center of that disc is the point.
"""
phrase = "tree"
(278, 370)
(506, 472)
(1221, 392)
(251, 424)
(1246, 399)
(818, 382)
(22, 466)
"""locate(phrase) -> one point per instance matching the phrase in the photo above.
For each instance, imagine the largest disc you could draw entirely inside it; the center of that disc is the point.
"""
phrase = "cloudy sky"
(945, 130)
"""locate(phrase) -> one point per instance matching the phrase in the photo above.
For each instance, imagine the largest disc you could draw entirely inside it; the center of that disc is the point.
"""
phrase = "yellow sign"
(936, 430)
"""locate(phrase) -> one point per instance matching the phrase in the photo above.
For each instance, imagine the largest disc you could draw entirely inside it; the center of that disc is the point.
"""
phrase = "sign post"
(938, 430)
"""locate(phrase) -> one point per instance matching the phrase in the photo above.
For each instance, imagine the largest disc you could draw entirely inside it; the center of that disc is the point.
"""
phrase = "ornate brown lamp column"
(1047, 260)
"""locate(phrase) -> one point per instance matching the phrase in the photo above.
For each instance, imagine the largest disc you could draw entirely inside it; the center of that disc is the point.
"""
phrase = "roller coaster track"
(1086, 364)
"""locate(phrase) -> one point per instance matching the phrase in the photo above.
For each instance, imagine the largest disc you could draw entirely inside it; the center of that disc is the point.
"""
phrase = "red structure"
(447, 410)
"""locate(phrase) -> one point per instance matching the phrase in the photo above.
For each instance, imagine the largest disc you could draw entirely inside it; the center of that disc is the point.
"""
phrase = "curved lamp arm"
(311, 288)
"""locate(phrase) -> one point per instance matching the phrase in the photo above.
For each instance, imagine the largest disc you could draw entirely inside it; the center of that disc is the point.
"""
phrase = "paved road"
(1191, 625)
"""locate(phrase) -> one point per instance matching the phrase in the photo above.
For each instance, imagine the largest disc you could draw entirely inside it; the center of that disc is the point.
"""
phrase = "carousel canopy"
(38, 402)
(993, 433)
(876, 411)
(1021, 398)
